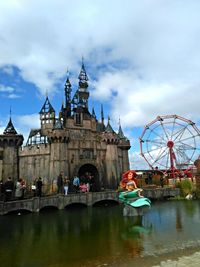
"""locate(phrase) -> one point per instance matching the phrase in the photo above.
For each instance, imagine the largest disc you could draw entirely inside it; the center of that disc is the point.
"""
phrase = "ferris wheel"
(170, 142)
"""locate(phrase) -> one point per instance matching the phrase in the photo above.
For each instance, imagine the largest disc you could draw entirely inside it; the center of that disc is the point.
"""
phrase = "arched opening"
(75, 206)
(89, 173)
(48, 209)
(106, 203)
(18, 212)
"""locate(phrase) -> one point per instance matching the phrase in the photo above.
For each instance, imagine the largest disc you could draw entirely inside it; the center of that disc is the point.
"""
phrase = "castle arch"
(89, 171)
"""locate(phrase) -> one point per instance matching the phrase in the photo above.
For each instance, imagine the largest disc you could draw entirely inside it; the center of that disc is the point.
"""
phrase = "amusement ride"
(170, 143)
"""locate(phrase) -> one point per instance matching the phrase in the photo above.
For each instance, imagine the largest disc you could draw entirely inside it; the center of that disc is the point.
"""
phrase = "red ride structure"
(171, 143)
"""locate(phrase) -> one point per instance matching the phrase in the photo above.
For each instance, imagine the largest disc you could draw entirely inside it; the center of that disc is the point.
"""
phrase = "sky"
(142, 59)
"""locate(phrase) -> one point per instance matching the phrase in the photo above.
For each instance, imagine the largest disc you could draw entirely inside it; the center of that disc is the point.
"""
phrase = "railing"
(59, 201)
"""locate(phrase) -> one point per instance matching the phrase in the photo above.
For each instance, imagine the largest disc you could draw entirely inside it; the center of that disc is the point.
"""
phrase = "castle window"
(78, 119)
(35, 138)
(1, 155)
(88, 153)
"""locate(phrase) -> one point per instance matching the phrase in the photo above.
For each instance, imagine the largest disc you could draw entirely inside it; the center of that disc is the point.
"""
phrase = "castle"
(75, 142)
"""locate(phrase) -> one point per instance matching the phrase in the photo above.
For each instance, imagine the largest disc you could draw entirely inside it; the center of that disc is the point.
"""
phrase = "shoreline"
(185, 260)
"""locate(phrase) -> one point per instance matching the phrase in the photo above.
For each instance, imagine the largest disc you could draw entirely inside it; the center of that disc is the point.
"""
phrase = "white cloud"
(137, 162)
(144, 55)
(8, 92)
(8, 70)
(31, 121)
(2, 130)
(160, 41)
(6, 89)
(27, 122)
(137, 102)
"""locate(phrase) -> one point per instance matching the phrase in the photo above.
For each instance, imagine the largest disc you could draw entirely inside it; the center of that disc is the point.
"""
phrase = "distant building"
(75, 142)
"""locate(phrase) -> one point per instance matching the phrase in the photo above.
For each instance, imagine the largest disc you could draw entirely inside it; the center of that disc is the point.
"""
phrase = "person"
(60, 183)
(148, 179)
(23, 187)
(9, 188)
(33, 188)
(18, 189)
(66, 185)
(39, 185)
(83, 187)
(162, 181)
(91, 183)
(76, 183)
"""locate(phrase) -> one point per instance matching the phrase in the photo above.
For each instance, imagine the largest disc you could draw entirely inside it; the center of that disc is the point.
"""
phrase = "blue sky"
(142, 59)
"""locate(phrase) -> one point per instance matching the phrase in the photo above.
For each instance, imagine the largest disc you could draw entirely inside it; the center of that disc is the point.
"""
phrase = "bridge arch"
(18, 211)
(75, 205)
(48, 207)
(105, 202)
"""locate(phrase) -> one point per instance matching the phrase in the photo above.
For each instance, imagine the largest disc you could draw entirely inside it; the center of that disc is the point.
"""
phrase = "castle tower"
(124, 145)
(83, 93)
(68, 91)
(10, 142)
(102, 115)
(47, 115)
(80, 99)
(111, 158)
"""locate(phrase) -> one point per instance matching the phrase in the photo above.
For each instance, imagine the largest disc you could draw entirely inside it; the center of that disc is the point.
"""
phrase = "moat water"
(100, 236)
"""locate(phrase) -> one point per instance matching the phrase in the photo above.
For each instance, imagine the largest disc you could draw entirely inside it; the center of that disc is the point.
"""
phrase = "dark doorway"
(89, 173)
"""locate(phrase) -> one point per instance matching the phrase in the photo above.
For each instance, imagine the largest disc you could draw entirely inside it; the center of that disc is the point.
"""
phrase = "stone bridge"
(58, 201)
(88, 199)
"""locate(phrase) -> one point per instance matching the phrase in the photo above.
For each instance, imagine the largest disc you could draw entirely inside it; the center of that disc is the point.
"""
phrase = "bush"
(186, 187)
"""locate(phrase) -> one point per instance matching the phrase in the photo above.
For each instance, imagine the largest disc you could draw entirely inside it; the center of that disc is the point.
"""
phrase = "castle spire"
(109, 128)
(120, 132)
(68, 91)
(47, 107)
(102, 114)
(93, 113)
(83, 78)
(47, 114)
(82, 92)
(10, 129)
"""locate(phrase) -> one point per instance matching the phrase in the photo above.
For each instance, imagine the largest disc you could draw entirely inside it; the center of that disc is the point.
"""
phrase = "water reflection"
(179, 225)
(133, 235)
(96, 236)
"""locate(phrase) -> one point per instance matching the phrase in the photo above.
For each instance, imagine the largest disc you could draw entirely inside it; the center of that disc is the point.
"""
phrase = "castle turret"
(102, 115)
(111, 159)
(124, 145)
(93, 113)
(68, 91)
(47, 115)
(80, 99)
(10, 142)
(83, 93)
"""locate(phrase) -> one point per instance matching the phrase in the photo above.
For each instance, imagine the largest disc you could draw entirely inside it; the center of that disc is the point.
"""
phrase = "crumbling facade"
(75, 142)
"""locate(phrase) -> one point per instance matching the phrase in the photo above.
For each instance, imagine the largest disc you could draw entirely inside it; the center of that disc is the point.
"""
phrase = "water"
(100, 236)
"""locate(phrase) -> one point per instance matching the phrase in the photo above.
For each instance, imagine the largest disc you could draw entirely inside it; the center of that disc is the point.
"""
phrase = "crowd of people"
(83, 184)
(10, 190)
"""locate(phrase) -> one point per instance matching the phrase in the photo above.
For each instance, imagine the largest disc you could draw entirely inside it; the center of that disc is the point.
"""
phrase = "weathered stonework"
(75, 143)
